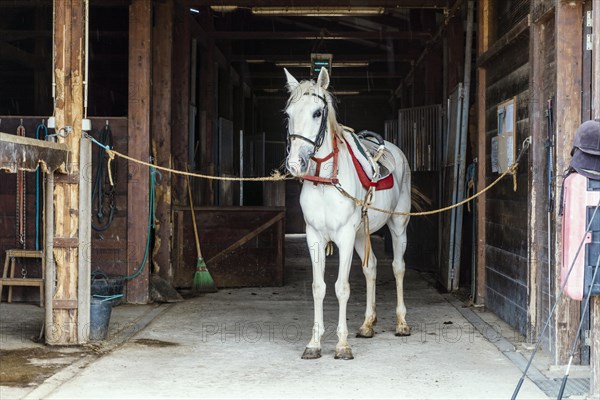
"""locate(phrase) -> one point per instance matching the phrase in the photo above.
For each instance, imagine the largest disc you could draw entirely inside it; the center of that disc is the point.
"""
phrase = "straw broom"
(203, 281)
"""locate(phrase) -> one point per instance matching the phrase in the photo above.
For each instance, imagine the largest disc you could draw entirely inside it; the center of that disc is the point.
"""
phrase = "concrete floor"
(246, 343)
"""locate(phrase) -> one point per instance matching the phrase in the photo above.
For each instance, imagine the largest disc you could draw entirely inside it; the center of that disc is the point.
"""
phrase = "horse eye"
(317, 114)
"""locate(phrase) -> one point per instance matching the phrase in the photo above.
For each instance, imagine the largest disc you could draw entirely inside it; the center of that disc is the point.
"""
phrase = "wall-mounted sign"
(504, 145)
(318, 61)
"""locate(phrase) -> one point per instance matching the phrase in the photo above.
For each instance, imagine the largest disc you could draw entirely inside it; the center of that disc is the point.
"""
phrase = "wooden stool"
(12, 255)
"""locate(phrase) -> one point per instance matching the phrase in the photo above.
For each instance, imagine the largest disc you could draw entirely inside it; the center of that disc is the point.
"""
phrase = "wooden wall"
(506, 226)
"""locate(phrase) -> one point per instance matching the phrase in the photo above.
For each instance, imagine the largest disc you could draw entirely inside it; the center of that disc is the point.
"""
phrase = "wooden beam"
(323, 35)
(538, 204)
(138, 125)
(521, 28)
(568, 118)
(181, 99)
(595, 306)
(62, 325)
(324, 3)
(483, 41)
(209, 74)
(162, 79)
(19, 153)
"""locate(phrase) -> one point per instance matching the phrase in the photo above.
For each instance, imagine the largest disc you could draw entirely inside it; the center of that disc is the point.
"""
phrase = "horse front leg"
(316, 246)
(342, 291)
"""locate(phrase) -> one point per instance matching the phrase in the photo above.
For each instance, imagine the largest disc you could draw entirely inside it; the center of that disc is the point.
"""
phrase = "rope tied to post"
(512, 170)
(365, 204)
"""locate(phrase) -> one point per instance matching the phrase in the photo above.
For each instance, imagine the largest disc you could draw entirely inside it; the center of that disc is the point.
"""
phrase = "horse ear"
(323, 79)
(291, 81)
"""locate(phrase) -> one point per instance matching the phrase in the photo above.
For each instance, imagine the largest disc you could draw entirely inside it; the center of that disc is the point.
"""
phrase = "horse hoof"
(311, 353)
(365, 333)
(403, 330)
(345, 353)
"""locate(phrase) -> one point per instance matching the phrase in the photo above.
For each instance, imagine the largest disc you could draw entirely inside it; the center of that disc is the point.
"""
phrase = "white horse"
(318, 153)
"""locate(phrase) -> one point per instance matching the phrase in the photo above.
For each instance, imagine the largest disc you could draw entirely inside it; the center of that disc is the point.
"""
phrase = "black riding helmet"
(586, 150)
(587, 138)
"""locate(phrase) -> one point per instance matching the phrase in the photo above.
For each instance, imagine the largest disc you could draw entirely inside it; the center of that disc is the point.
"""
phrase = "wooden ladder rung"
(21, 281)
(10, 263)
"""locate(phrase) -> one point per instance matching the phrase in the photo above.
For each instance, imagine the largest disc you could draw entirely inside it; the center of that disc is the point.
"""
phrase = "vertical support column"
(483, 43)
(210, 100)
(595, 306)
(181, 99)
(161, 131)
(537, 211)
(63, 313)
(568, 112)
(140, 53)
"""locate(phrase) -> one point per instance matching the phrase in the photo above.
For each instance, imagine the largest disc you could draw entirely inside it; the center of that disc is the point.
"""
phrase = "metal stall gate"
(418, 133)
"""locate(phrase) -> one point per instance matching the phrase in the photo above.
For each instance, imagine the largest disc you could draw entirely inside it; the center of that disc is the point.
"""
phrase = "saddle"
(368, 145)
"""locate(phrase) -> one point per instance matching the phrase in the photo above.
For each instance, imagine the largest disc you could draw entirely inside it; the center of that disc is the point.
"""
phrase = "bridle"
(320, 135)
(316, 179)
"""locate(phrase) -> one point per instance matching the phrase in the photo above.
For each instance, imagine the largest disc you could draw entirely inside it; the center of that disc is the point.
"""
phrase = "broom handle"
(193, 214)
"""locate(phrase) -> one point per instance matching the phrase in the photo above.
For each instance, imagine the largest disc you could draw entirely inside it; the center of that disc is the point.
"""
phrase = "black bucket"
(99, 319)
(105, 286)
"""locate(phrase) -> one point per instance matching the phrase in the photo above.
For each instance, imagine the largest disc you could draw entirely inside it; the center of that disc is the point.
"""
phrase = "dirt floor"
(246, 343)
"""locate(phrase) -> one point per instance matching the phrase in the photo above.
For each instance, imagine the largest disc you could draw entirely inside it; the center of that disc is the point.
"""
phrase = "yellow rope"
(512, 171)
(276, 176)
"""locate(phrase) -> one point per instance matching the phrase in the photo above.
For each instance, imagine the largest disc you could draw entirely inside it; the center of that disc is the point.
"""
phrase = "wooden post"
(85, 239)
(540, 273)
(64, 313)
(483, 42)
(161, 132)
(209, 94)
(181, 99)
(595, 306)
(140, 53)
(568, 112)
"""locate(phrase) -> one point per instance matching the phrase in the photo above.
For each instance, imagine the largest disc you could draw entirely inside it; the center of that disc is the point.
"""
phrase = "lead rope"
(366, 204)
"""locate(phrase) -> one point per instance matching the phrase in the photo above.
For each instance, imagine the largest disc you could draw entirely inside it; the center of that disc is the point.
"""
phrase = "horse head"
(307, 112)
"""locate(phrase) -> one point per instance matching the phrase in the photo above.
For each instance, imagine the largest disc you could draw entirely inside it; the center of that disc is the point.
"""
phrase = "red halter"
(316, 179)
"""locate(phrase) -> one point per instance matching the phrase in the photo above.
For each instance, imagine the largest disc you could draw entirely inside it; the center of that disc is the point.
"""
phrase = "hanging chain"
(21, 196)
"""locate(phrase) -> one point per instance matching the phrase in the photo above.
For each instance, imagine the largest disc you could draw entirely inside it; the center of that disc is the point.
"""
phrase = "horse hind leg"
(370, 273)
(397, 227)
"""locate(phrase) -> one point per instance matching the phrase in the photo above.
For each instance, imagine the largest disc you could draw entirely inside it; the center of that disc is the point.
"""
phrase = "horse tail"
(419, 200)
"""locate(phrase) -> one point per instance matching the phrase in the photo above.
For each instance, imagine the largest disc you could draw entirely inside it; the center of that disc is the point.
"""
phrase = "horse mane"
(307, 86)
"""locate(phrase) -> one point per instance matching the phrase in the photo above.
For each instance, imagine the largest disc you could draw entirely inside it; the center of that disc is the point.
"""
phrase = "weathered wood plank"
(595, 310)
(68, 50)
(508, 238)
(258, 262)
(503, 43)
(483, 42)
(181, 99)
(543, 86)
(161, 133)
(140, 55)
(25, 154)
(568, 99)
(514, 290)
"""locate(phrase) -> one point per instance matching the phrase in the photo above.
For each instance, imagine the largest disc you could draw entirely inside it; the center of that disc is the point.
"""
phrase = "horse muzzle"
(297, 166)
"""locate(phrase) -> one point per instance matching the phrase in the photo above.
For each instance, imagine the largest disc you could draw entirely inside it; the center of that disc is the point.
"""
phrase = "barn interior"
(383, 58)
(199, 84)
